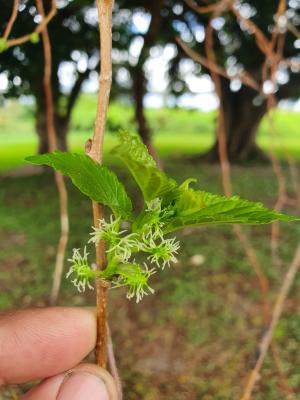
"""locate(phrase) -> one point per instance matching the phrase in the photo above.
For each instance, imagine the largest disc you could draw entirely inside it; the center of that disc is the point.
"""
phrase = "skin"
(45, 344)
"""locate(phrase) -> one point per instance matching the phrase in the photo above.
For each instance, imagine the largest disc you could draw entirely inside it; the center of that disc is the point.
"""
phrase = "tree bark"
(242, 119)
(61, 127)
(139, 91)
(61, 122)
(140, 81)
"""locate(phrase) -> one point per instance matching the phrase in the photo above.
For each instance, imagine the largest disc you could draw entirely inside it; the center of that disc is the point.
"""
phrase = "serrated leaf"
(92, 179)
(152, 181)
(192, 208)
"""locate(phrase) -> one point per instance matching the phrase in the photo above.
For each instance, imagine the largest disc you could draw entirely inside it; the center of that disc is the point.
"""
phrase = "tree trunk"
(242, 119)
(61, 122)
(139, 90)
(61, 127)
(140, 81)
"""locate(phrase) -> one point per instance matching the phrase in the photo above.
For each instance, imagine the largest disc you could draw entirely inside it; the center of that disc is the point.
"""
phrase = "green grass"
(176, 132)
(196, 337)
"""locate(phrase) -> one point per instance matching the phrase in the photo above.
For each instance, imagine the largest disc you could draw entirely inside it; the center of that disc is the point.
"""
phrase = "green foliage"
(151, 180)
(195, 207)
(213, 295)
(92, 179)
(167, 207)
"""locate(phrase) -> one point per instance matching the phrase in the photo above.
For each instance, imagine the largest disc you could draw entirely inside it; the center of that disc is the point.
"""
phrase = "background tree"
(236, 50)
(162, 16)
(75, 23)
(73, 31)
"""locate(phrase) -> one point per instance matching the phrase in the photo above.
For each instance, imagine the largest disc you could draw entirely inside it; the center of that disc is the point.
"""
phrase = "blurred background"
(196, 338)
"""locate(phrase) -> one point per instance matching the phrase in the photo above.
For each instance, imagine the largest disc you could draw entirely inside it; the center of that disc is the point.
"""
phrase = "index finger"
(38, 343)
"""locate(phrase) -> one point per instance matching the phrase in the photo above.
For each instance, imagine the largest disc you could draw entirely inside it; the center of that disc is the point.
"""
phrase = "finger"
(85, 382)
(38, 343)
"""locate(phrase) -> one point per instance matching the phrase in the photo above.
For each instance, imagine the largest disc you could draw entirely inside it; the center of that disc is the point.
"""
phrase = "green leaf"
(192, 208)
(152, 181)
(92, 179)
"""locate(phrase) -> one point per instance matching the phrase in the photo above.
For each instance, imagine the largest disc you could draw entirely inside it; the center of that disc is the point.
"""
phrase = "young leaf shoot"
(167, 207)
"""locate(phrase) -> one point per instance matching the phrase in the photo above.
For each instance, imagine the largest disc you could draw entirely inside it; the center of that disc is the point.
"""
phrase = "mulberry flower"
(120, 247)
(124, 247)
(108, 231)
(136, 278)
(81, 269)
(163, 250)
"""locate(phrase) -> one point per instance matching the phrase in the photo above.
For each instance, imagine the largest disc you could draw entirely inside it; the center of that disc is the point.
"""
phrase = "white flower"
(106, 231)
(160, 249)
(81, 269)
(136, 278)
(120, 247)
(124, 247)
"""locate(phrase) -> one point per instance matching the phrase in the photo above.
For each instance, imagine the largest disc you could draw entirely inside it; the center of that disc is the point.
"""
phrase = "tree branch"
(96, 153)
(276, 314)
(82, 76)
(59, 180)
(244, 77)
(38, 29)
(12, 19)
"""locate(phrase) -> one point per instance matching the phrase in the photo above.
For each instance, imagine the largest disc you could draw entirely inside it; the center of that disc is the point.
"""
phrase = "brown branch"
(224, 161)
(216, 71)
(281, 192)
(105, 78)
(59, 180)
(293, 29)
(244, 77)
(226, 179)
(226, 175)
(26, 38)
(295, 180)
(205, 9)
(263, 281)
(75, 91)
(96, 153)
(261, 40)
(280, 11)
(12, 19)
(276, 314)
(271, 63)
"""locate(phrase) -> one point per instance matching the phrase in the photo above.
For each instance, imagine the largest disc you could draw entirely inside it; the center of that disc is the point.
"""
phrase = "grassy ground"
(180, 132)
(196, 338)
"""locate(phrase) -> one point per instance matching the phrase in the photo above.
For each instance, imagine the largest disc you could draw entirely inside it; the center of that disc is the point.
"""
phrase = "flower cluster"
(162, 251)
(108, 231)
(121, 247)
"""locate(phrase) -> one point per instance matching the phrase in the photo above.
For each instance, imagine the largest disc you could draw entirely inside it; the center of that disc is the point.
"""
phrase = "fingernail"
(82, 385)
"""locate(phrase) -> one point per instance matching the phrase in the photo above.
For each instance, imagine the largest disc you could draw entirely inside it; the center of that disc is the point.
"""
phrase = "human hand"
(49, 343)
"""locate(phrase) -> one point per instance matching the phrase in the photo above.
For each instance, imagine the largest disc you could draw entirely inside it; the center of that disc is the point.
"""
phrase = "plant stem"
(276, 314)
(40, 28)
(12, 19)
(59, 180)
(96, 153)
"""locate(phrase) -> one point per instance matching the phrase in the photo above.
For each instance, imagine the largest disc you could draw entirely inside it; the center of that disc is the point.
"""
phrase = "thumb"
(84, 382)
